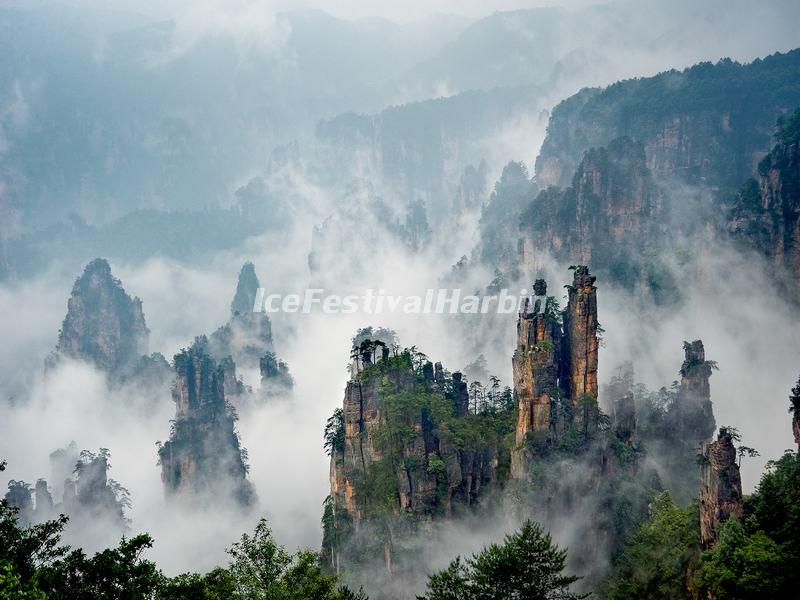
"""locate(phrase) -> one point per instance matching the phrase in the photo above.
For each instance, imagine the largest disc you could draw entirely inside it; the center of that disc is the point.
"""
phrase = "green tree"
(794, 398)
(262, 569)
(13, 588)
(113, 573)
(655, 561)
(258, 563)
(741, 567)
(215, 585)
(24, 551)
(526, 565)
(334, 432)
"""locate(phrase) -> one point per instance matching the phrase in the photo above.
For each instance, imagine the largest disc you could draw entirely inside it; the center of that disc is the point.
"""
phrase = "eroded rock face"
(536, 366)
(612, 205)
(45, 507)
(554, 362)
(720, 487)
(203, 457)
(696, 414)
(715, 142)
(580, 338)
(275, 377)
(467, 469)
(766, 213)
(392, 459)
(246, 289)
(611, 215)
(104, 325)
(246, 341)
(94, 502)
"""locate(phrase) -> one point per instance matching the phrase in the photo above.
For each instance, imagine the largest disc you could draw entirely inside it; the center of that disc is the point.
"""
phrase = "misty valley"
(435, 301)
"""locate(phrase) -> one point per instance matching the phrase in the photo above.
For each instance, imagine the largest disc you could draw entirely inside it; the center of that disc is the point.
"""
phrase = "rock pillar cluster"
(555, 363)
(394, 465)
(203, 457)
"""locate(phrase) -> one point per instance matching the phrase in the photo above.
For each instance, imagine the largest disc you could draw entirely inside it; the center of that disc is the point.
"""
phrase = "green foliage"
(274, 369)
(774, 508)
(412, 407)
(257, 563)
(751, 96)
(217, 584)
(794, 400)
(731, 432)
(119, 572)
(451, 583)
(12, 587)
(335, 531)
(334, 433)
(552, 311)
(34, 566)
(262, 569)
(742, 567)
(379, 487)
(655, 561)
(382, 334)
(436, 466)
(750, 560)
(25, 550)
(526, 565)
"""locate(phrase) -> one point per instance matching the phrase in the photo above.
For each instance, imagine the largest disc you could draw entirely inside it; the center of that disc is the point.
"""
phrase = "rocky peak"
(696, 413)
(554, 361)
(246, 340)
(95, 493)
(94, 502)
(45, 508)
(104, 325)
(536, 368)
(203, 457)
(766, 212)
(693, 125)
(720, 487)
(460, 393)
(392, 454)
(19, 496)
(246, 290)
(275, 377)
(199, 383)
(612, 205)
(581, 342)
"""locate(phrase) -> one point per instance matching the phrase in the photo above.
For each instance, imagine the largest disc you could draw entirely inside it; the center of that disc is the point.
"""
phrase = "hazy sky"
(391, 9)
